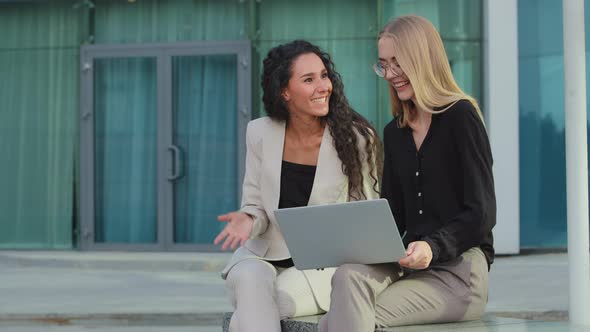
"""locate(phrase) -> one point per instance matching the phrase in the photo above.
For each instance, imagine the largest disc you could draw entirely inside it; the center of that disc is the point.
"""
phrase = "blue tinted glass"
(205, 124)
(125, 150)
(542, 124)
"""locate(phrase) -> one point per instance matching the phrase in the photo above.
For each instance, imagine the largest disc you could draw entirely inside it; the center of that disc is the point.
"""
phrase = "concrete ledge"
(301, 324)
(111, 320)
(488, 322)
(117, 260)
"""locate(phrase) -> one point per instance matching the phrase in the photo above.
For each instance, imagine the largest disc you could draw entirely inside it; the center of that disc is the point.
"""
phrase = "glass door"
(204, 99)
(162, 143)
(125, 160)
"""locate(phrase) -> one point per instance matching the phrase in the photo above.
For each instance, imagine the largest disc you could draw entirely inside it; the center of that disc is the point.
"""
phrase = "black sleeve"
(390, 185)
(468, 228)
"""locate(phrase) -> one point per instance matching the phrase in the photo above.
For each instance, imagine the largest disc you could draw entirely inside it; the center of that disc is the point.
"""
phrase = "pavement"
(72, 291)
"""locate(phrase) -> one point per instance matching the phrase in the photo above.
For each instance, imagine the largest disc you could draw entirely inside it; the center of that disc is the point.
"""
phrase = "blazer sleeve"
(468, 228)
(251, 193)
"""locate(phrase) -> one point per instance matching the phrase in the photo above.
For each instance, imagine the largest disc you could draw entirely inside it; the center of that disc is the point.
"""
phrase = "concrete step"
(114, 260)
(488, 322)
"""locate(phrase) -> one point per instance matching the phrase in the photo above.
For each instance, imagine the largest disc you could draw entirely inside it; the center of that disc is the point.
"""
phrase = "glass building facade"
(543, 217)
(40, 120)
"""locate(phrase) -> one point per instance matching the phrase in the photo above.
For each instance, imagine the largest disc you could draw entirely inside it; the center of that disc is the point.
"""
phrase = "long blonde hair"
(421, 55)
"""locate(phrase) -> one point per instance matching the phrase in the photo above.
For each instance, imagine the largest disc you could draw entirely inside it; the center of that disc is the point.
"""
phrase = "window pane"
(205, 119)
(125, 150)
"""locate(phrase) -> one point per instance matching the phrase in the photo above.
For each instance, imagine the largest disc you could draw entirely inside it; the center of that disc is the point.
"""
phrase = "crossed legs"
(368, 296)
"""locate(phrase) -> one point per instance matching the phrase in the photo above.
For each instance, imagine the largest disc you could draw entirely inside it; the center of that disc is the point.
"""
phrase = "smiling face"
(394, 74)
(309, 89)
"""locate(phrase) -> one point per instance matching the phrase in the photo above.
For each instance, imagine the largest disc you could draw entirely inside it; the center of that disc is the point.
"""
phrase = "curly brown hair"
(342, 119)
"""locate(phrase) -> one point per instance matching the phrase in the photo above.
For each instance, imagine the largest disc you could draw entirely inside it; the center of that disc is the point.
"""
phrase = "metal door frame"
(163, 54)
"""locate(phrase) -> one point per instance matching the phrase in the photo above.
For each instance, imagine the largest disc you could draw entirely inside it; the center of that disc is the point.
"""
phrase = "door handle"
(177, 157)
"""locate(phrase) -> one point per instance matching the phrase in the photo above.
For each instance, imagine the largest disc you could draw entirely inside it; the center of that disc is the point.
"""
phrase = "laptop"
(321, 236)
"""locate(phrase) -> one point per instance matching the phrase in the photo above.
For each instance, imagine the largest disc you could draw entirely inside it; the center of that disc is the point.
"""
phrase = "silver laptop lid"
(334, 234)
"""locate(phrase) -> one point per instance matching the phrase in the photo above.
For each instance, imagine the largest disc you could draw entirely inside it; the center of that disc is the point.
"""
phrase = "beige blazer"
(261, 189)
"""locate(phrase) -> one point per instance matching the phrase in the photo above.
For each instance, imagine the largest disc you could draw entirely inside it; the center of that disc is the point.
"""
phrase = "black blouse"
(296, 185)
(443, 193)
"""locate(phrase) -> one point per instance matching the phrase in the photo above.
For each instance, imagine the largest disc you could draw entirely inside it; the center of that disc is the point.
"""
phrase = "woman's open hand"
(237, 231)
(419, 255)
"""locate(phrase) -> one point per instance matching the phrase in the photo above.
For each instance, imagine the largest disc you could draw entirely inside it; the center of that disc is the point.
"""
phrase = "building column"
(501, 114)
(576, 157)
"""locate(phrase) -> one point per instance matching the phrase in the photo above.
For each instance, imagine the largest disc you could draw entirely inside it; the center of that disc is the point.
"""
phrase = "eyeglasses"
(381, 69)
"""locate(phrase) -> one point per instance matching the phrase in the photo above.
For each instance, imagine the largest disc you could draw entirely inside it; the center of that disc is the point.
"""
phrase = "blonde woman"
(438, 180)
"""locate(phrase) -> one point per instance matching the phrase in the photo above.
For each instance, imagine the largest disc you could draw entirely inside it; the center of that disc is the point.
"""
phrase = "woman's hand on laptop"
(237, 231)
(419, 255)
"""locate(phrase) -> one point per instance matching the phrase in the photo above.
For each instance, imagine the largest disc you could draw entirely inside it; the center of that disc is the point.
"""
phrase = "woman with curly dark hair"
(312, 149)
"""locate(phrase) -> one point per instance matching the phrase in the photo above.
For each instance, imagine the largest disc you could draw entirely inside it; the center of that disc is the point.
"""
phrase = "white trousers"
(262, 295)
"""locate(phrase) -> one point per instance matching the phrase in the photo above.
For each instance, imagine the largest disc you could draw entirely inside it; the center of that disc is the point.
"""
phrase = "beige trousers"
(262, 295)
(367, 296)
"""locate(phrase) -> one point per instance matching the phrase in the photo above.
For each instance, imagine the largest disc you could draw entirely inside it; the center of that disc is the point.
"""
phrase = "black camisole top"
(296, 185)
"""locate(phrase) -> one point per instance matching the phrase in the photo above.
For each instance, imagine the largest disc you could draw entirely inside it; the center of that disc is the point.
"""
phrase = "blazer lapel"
(273, 158)
(329, 181)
